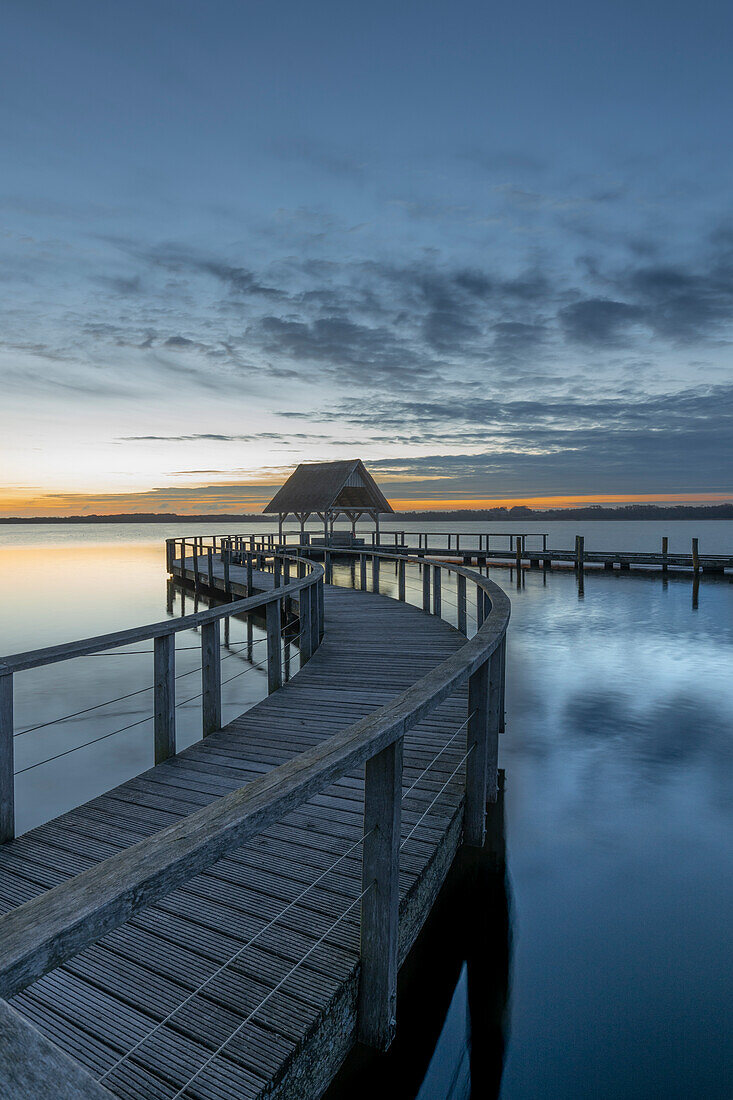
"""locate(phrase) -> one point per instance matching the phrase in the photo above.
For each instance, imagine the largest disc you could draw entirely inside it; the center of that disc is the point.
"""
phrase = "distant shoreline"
(513, 515)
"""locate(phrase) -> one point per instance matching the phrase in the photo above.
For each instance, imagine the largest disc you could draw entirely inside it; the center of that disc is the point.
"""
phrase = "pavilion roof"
(329, 486)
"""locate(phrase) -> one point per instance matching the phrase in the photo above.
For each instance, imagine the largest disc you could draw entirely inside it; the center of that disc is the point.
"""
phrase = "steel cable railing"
(238, 953)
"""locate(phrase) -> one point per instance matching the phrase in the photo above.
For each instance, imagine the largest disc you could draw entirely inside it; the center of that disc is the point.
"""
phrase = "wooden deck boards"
(110, 997)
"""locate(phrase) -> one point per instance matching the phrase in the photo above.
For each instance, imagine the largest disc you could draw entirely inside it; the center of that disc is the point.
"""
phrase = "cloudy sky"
(486, 247)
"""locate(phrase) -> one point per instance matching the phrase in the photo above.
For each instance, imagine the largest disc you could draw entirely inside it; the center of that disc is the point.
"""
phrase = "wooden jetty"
(521, 549)
(230, 922)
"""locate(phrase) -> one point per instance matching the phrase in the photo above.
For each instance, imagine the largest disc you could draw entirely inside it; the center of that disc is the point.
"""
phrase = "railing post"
(484, 692)
(401, 579)
(375, 573)
(426, 587)
(502, 694)
(327, 566)
(695, 556)
(315, 619)
(362, 572)
(195, 550)
(227, 555)
(164, 676)
(7, 757)
(210, 556)
(380, 904)
(274, 656)
(461, 601)
(437, 604)
(170, 554)
(305, 615)
(210, 678)
(480, 606)
(665, 548)
(320, 598)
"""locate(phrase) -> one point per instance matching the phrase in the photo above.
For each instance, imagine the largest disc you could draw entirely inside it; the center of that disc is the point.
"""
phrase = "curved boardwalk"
(293, 1030)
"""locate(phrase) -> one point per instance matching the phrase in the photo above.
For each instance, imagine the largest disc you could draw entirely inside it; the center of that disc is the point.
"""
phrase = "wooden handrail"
(18, 662)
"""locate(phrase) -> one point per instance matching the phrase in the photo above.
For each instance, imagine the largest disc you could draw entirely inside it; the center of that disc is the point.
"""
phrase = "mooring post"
(437, 604)
(695, 556)
(375, 573)
(164, 677)
(426, 587)
(7, 757)
(401, 579)
(461, 602)
(579, 551)
(665, 547)
(274, 655)
(380, 904)
(210, 678)
(170, 555)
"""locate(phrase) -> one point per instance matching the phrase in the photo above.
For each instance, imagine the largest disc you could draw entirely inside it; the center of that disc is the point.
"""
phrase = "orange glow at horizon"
(58, 505)
(426, 505)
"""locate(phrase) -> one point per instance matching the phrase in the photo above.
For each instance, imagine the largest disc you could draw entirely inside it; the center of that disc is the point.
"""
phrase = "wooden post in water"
(170, 554)
(461, 602)
(695, 556)
(380, 904)
(164, 676)
(210, 677)
(579, 552)
(519, 555)
(274, 656)
(7, 757)
(665, 547)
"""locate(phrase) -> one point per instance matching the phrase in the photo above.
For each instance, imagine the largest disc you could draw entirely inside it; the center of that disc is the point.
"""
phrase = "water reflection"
(452, 992)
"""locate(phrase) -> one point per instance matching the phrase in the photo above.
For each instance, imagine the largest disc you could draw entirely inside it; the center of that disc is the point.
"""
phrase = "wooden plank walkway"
(131, 1008)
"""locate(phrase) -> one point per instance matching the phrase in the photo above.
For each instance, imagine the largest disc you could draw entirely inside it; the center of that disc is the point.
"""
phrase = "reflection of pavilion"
(452, 993)
(328, 490)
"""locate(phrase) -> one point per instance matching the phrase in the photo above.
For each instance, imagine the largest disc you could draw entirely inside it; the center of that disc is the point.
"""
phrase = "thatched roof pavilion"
(327, 490)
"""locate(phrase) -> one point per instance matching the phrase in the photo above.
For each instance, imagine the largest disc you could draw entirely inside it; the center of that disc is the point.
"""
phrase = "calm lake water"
(618, 755)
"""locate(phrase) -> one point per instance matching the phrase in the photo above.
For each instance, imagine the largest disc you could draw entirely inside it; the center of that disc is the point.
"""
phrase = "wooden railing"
(42, 933)
(305, 587)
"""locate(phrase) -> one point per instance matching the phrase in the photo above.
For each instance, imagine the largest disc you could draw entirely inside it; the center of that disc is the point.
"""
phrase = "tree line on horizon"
(516, 512)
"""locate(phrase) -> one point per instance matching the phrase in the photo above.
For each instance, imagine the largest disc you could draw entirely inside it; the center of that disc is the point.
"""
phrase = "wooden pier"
(521, 549)
(230, 922)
